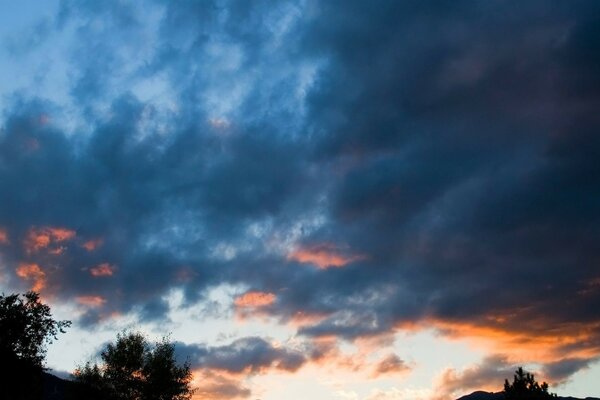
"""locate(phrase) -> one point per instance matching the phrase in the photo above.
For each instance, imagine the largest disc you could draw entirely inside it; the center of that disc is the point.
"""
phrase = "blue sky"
(347, 200)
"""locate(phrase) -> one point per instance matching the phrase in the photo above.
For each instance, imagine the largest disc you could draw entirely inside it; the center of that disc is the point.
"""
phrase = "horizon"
(340, 200)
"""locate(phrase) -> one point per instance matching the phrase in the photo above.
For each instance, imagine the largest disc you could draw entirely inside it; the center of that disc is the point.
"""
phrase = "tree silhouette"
(132, 369)
(26, 326)
(165, 380)
(524, 387)
(91, 384)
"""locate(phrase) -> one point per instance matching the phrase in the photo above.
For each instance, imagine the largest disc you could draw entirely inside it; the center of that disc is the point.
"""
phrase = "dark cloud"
(460, 174)
(250, 355)
(490, 374)
(560, 371)
(449, 150)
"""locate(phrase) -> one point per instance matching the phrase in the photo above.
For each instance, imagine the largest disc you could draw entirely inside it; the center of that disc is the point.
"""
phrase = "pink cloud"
(102, 270)
(3, 236)
(323, 256)
(255, 299)
(93, 244)
(32, 272)
(42, 238)
(91, 301)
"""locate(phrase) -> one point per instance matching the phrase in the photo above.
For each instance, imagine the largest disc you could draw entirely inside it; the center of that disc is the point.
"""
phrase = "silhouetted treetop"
(524, 387)
(134, 369)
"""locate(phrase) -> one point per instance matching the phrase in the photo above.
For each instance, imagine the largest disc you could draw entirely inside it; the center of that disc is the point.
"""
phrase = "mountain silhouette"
(481, 395)
(55, 388)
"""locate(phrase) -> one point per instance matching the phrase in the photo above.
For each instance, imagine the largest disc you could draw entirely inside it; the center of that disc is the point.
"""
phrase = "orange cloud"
(323, 256)
(32, 272)
(104, 269)
(61, 234)
(91, 301)
(255, 299)
(93, 244)
(36, 241)
(41, 238)
(3, 236)
(218, 386)
(521, 339)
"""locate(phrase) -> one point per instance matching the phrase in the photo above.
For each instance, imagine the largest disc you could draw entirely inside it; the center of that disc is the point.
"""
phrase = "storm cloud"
(369, 166)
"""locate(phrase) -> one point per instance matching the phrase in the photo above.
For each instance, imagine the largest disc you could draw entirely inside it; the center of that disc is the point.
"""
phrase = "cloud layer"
(372, 168)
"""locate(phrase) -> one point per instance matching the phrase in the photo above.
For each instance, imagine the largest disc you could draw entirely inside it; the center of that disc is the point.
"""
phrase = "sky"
(343, 200)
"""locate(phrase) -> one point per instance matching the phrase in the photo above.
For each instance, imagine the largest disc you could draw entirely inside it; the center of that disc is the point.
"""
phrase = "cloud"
(323, 256)
(33, 273)
(92, 244)
(91, 301)
(558, 372)
(399, 394)
(492, 371)
(391, 364)
(251, 355)
(215, 386)
(437, 166)
(488, 375)
(42, 238)
(3, 236)
(104, 269)
(254, 299)
(235, 364)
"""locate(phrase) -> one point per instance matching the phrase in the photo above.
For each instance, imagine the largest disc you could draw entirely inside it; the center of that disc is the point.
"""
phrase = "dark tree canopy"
(26, 326)
(133, 369)
(524, 387)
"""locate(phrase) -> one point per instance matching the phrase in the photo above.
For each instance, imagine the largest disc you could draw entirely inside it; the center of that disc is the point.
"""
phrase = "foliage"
(26, 326)
(91, 382)
(132, 369)
(524, 387)
(164, 379)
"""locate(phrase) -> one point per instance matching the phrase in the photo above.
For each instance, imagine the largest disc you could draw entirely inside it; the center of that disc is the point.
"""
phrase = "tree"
(123, 364)
(26, 327)
(524, 387)
(91, 384)
(165, 380)
(133, 369)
